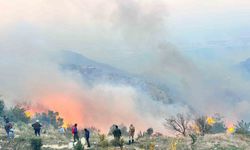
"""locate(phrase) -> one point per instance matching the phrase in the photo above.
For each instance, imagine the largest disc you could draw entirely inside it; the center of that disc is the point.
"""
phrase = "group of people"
(76, 136)
(117, 134)
(10, 131)
(37, 130)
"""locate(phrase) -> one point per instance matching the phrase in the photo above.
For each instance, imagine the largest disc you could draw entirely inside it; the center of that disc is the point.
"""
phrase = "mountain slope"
(93, 73)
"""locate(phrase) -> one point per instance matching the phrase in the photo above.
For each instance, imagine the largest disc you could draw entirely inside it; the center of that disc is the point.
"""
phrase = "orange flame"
(230, 129)
(65, 125)
(210, 121)
(87, 112)
(29, 114)
(68, 109)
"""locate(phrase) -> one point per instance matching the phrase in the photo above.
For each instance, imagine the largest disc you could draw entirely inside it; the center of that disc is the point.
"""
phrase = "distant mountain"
(93, 72)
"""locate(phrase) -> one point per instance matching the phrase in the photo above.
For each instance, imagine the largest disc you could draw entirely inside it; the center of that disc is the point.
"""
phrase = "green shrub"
(116, 142)
(36, 143)
(219, 125)
(17, 113)
(103, 142)
(50, 118)
(150, 131)
(201, 123)
(78, 146)
(242, 127)
(2, 105)
(193, 137)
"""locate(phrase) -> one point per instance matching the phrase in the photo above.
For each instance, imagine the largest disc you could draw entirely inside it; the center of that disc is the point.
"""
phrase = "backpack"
(36, 125)
(74, 130)
(8, 126)
(132, 129)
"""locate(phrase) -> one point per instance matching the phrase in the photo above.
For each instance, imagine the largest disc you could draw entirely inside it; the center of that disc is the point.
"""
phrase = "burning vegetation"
(189, 133)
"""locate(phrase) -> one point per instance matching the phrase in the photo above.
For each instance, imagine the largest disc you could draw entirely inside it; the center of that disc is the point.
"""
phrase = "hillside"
(94, 72)
(53, 140)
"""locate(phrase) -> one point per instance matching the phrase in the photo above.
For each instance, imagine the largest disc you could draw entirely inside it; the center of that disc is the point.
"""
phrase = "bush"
(193, 137)
(17, 114)
(119, 143)
(178, 123)
(150, 131)
(219, 125)
(36, 143)
(50, 118)
(242, 127)
(203, 126)
(103, 142)
(78, 146)
(2, 105)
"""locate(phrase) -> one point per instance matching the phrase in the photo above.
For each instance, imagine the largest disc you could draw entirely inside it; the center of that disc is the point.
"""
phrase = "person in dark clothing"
(87, 133)
(37, 127)
(8, 127)
(117, 135)
(6, 119)
(75, 133)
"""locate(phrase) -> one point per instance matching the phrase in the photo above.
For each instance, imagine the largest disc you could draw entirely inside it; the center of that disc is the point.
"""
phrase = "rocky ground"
(52, 139)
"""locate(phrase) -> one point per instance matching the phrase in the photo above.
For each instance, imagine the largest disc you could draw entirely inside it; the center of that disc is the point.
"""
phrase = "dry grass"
(52, 139)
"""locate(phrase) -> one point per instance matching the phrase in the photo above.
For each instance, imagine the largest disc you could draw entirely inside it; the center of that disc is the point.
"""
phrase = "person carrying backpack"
(87, 133)
(75, 133)
(37, 127)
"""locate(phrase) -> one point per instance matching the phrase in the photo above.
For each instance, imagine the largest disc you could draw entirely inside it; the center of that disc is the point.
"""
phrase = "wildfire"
(28, 114)
(210, 121)
(65, 125)
(230, 129)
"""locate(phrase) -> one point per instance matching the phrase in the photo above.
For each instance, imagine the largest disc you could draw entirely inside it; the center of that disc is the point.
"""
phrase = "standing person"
(117, 135)
(61, 130)
(37, 127)
(75, 133)
(87, 133)
(131, 133)
(8, 127)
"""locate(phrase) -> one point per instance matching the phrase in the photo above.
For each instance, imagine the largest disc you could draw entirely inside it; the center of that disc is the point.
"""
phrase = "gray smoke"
(131, 35)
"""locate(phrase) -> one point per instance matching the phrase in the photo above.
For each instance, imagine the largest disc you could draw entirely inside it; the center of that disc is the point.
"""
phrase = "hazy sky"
(180, 41)
(113, 30)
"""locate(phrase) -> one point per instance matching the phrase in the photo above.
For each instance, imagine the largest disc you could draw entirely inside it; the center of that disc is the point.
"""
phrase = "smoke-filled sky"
(191, 45)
